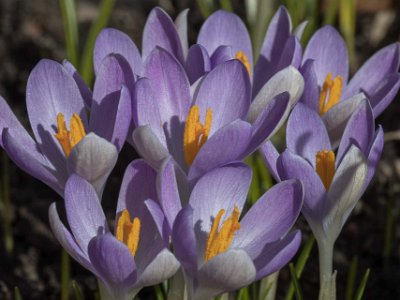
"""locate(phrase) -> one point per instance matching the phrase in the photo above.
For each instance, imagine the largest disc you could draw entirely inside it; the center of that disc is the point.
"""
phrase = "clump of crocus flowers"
(194, 114)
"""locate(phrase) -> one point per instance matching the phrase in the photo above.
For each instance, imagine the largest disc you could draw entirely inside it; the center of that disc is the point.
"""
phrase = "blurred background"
(30, 257)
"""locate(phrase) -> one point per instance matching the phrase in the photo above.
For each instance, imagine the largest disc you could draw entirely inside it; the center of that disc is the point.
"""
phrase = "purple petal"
(93, 158)
(167, 190)
(359, 131)
(306, 133)
(163, 228)
(225, 28)
(269, 121)
(84, 213)
(328, 50)
(311, 93)
(275, 255)
(160, 31)
(386, 61)
(228, 271)
(270, 156)
(299, 30)
(163, 266)
(292, 166)
(374, 155)
(138, 185)
(221, 54)
(184, 241)
(181, 28)
(86, 93)
(112, 41)
(384, 93)
(52, 90)
(66, 239)
(270, 218)
(226, 91)
(23, 152)
(198, 62)
(335, 119)
(114, 263)
(149, 146)
(222, 188)
(227, 145)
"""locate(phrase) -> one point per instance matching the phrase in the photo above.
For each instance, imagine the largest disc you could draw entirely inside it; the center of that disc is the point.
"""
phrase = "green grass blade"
(68, 14)
(86, 69)
(6, 205)
(159, 292)
(300, 264)
(351, 278)
(298, 292)
(17, 294)
(331, 11)
(77, 291)
(65, 274)
(226, 4)
(206, 7)
(243, 294)
(347, 24)
(361, 288)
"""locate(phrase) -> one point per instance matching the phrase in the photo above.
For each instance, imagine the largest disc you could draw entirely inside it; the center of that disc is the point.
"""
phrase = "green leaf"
(206, 7)
(243, 294)
(347, 24)
(65, 274)
(298, 292)
(68, 14)
(226, 4)
(361, 288)
(351, 278)
(77, 291)
(86, 69)
(300, 264)
(17, 294)
(331, 11)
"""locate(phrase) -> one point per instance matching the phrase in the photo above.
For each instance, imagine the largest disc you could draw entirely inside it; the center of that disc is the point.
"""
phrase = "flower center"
(325, 165)
(195, 134)
(219, 240)
(243, 58)
(330, 93)
(68, 139)
(128, 232)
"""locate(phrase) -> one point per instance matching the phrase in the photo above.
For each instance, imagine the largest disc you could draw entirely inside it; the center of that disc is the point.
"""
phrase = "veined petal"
(306, 133)
(335, 119)
(328, 50)
(225, 28)
(384, 93)
(84, 213)
(226, 145)
(86, 93)
(345, 191)
(226, 91)
(181, 28)
(112, 41)
(227, 271)
(384, 62)
(93, 158)
(270, 156)
(278, 209)
(288, 80)
(374, 155)
(198, 62)
(160, 31)
(311, 93)
(221, 54)
(118, 270)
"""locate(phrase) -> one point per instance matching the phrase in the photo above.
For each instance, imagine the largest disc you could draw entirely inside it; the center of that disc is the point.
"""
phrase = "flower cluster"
(194, 114)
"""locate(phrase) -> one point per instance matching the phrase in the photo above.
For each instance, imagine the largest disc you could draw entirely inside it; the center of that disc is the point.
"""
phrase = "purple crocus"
(327, 90)
(333, 183)
(136, 255)
(211, 123)
(65, 140)
(217, 252)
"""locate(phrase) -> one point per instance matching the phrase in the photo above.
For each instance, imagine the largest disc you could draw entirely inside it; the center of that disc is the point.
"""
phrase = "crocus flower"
(333, 183)
(65, 140)
(212, 124)
(327, 90)
(217, 252)
(136, 255)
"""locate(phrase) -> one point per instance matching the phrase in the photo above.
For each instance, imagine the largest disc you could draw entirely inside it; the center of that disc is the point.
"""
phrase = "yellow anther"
(325, 165)
(68, 139)
(330, 93)
(243, 58)
(128, 232)
(195, 134)
(219, 241)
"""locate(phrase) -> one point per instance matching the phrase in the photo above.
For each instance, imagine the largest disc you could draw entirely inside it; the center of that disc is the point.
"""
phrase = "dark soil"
(31, 30)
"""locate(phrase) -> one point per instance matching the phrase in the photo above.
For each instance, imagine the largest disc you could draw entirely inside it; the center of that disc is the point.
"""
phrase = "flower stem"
(327, 277)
